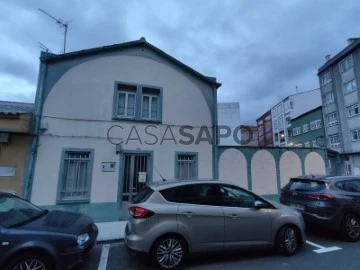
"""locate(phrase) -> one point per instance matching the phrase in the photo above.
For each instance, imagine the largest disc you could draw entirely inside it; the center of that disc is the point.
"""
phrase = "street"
(323, 250)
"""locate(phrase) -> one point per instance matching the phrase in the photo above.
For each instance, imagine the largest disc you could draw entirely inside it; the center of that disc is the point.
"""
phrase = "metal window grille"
(75, 184)
(186, 167)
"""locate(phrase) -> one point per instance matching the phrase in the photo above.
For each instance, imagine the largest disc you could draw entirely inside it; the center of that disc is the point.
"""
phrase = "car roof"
(157, 185)
(327, 178)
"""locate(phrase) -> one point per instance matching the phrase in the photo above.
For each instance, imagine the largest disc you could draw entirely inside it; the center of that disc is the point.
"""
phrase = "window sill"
(139, 120)
(83, 201)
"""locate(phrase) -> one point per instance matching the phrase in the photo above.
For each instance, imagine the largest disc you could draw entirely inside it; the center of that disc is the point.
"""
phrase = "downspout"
(215, 136)
(31, 161)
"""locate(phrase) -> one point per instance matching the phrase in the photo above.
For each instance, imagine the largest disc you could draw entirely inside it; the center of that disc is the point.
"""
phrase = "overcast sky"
(260, 50)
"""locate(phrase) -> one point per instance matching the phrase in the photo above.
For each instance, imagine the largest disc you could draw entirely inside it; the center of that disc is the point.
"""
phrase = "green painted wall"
(311, 135)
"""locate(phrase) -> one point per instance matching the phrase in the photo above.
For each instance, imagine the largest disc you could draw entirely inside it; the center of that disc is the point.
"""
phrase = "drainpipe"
(215, 137)
(29, 173)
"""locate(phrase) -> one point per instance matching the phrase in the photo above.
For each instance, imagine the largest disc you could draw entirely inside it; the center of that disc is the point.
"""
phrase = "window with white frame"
(329, 98)
(126, 101)
(314, 144)
(326, 78)
(306, 144)
(150, 104)
(281, 122)
(186, 166)
(137, 102)
(331, 119)
(346, 64)
(355, 135)
(305, 128)
(353, 110)
(349, 87)
(315, 124)
(334, 140)
(279, 109)
(76, 174)
(296, 131)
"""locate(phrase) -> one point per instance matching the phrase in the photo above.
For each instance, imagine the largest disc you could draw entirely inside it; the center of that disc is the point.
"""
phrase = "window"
(353, 185)
(126, 101)
(346, 64)
(329, 98)
(314, 144)
(353, 110)
(288, 120)
(150, 104)
(276, 137)
(76, 174)
(279, 110)
(334, 140)
(326, 78)
(281, 122)
(186, 166)
(236, 197)
(315, 124)
(296, 131)
(355, 134)
(282, 136)
(331, 119)
(275, 124)
(260, 122)
(349, 87)
(137, 102)
(306, 144)
(348, 169)
(305, 128)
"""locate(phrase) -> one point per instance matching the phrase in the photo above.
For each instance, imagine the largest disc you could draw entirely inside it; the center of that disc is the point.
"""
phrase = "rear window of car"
(306, 185)
(143, 195)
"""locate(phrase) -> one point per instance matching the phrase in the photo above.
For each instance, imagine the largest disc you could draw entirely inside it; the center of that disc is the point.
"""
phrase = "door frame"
(150, 164)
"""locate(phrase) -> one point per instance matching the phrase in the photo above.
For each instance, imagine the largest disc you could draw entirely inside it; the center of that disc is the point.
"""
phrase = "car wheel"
(169, 252)
(29, 261)
(288, 240)
(351, 228)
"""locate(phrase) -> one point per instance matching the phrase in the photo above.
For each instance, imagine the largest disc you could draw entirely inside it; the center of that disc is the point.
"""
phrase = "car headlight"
(83, 238)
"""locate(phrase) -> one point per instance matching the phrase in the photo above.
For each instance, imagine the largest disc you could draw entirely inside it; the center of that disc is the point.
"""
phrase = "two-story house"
(110, 119)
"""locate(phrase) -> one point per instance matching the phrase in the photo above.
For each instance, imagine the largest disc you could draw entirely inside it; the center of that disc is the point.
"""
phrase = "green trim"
(59, 200)
(196, 163)
(100, 212)
(47, 57)
(138, 103)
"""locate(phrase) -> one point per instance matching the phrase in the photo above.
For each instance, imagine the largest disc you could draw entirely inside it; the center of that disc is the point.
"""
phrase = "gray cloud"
(259, 50)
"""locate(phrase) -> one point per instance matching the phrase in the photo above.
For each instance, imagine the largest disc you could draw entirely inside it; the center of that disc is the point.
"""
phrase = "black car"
(32, 238)
(331, 202)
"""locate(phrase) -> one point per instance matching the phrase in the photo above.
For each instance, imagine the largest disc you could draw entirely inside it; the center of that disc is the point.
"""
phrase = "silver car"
(172, 219)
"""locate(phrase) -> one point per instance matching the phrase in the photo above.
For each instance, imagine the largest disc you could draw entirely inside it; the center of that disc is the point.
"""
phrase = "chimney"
(327, 57)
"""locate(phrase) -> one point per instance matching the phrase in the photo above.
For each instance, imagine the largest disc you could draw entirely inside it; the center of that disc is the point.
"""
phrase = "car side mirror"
(259, 204)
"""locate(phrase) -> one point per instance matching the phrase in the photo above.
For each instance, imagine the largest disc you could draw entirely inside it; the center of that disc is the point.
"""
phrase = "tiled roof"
(12, 107)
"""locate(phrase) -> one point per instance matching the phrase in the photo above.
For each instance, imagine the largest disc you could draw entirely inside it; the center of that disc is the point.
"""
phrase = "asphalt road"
(323, 250)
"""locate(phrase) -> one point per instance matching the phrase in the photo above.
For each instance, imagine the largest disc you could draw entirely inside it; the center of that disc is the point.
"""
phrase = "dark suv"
(332, 202)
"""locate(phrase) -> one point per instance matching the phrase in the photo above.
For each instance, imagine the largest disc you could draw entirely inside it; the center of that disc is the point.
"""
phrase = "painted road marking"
(104, 257)
(321, 249)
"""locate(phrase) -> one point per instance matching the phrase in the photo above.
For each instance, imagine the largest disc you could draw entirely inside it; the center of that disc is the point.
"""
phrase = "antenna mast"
(61, 23)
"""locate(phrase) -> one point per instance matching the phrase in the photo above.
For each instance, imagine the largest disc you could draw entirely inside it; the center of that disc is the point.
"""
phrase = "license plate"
(297, 206)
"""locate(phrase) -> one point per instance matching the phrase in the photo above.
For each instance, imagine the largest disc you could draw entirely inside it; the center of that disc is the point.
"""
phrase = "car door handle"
(233, 216)
(188, 214)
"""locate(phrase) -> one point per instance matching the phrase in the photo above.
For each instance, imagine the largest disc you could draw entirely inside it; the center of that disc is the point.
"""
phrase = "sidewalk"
(109, 231)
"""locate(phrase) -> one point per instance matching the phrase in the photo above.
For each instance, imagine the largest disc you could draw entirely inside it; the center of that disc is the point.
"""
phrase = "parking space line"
(321, 249)
(104, 257)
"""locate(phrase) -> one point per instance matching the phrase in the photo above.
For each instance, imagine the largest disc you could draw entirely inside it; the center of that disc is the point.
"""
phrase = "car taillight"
(139, 212)
(322, 197)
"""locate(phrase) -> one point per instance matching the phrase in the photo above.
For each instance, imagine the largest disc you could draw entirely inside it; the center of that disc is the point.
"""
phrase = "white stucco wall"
(86, 92)
(290, 166)
(233, 167)
(314, 164)
(263, 170)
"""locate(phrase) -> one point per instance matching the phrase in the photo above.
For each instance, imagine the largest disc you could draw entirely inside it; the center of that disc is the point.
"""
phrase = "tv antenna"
(61, 23)
(44, 48)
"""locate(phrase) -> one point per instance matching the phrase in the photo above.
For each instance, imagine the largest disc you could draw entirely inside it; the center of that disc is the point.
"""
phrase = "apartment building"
(289, 108)
(265, 132)
(339, 78)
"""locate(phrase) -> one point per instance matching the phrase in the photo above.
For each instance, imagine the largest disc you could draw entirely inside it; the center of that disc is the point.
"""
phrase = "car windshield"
(306, 185)
(15, 211)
